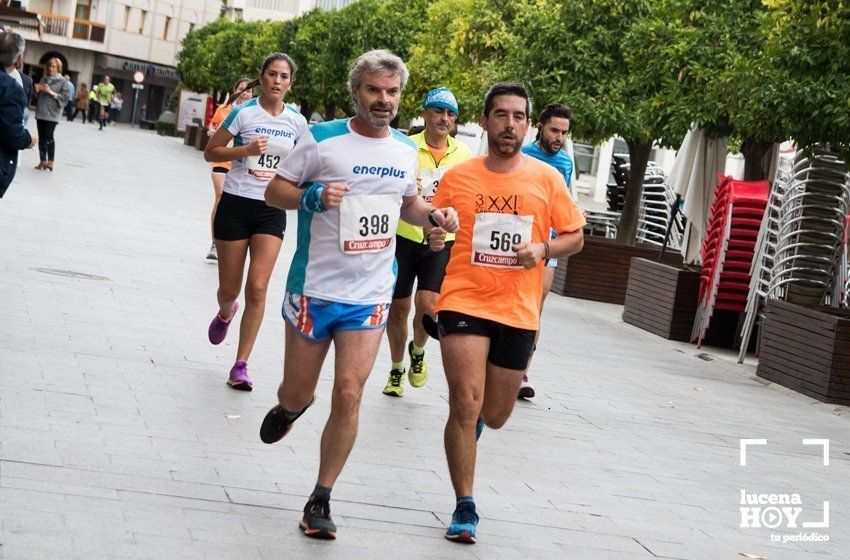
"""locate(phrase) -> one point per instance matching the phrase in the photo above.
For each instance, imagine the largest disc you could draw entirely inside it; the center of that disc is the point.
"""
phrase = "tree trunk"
(638, 158)
(307, 110)
(756, 159)
(330, 111)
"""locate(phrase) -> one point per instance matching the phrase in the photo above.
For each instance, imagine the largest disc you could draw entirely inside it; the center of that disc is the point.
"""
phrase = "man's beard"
(496, 149)
(374, 120)
(548, 148)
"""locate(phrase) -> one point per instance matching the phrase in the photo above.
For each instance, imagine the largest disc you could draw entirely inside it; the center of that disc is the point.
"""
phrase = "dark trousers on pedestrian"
(77, 112)
(46, 144)
(69, 110)
(94, 109)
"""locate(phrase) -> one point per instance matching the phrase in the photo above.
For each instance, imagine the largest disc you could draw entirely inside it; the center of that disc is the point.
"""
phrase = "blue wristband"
(311, 198)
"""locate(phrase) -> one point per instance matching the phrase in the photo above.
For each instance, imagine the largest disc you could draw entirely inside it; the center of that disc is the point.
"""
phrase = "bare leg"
(302, 364)
(231, 267)
(499, 395)
(426, 301)
(218, 187)
(397, 328)
(465, 363)
(264, 251)
(355, 356)
(548, 278)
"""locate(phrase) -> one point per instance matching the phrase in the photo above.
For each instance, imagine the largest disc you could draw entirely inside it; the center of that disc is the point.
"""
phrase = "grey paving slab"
(120, 439)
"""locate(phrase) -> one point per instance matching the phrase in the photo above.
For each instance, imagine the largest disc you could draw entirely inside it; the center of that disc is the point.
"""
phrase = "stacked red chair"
(728, 248)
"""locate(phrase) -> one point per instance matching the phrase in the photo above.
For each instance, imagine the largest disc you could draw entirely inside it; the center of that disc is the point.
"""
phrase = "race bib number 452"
(367, 224)
(494, 236)
(265, 166)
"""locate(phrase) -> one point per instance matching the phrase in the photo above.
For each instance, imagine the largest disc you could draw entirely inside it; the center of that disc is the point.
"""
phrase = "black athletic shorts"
(416, 261)
(220, 169)
(510, 347)
(238, 218)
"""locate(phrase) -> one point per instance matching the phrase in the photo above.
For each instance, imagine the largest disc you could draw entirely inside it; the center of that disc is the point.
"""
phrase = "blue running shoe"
(464, 522)
(479, 429)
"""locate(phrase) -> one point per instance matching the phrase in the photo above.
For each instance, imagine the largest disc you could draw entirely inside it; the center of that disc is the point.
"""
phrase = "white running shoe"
(526, 389)
(213, 254)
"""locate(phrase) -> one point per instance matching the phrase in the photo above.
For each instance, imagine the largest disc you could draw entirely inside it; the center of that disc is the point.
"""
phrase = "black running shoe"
(276, 425)
(317, 522)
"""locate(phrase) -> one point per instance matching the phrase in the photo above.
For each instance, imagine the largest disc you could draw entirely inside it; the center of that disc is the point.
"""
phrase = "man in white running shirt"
(350, 181)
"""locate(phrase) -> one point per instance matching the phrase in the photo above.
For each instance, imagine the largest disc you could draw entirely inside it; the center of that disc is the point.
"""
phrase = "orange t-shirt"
(497, 210)
(218, 117)
(437, 153)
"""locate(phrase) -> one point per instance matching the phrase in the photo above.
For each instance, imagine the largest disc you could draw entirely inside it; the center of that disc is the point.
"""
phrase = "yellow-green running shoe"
(418, 374)
(395, 383)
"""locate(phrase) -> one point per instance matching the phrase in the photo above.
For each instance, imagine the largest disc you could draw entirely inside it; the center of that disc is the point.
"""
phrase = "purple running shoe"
(218, 327)
(239, 377)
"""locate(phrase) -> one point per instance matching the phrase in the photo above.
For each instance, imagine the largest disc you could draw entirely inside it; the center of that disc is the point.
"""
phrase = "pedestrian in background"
(115, 107)
(94, 106)
(105, 91)
(81, 103)
(53, 94)
(13, 134)
(69, 107)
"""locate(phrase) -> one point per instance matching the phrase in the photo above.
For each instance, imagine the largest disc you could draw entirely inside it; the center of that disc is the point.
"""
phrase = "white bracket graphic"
(820, 524)
(825, 444)
(745, 443)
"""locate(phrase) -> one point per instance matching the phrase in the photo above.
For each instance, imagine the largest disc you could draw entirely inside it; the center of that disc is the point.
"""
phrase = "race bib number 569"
(367, 224)
(494, 236)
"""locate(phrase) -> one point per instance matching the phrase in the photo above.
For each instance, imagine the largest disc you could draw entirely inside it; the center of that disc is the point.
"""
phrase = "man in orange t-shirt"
(489, 307)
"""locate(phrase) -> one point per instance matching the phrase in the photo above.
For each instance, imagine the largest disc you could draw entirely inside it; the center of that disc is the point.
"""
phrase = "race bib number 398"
(265, 166)
(494, 236)
(367, 224)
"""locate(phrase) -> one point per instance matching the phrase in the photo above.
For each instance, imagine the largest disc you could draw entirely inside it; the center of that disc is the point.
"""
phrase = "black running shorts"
(417, 262)
(238, 218)
(510, 347)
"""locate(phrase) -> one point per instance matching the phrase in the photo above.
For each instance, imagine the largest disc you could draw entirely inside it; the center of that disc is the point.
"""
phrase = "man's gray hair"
(376, 61)
(12, 45)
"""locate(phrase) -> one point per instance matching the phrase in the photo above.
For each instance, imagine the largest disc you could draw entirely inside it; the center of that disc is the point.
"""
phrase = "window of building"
(166, 28)
(127, 12)
(142, 21)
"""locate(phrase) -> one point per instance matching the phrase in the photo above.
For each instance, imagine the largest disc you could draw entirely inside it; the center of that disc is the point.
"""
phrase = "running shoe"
(464, 522)
(218, 328)
(317, 522)
(276, 424)
(418, 374)
(479, 429)
(213, 254)
(239, 377)
(395, 383)
(526, 389)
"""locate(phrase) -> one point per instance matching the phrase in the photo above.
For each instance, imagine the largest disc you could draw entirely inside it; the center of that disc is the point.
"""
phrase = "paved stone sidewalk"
(120, 439)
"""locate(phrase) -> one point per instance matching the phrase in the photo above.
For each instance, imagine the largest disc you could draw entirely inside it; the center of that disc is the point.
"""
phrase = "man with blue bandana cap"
(416, 262)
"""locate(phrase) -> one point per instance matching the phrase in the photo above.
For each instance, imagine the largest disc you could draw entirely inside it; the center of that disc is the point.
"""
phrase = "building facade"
(94, 38)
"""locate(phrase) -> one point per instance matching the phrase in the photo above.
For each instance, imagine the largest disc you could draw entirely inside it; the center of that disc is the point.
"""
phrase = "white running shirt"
(347, 254)
(248, 177)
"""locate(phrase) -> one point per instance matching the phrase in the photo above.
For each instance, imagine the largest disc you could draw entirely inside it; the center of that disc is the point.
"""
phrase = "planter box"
(661, 299)
(191, 135)
(201, 139)
(601, 271)
(807, 349)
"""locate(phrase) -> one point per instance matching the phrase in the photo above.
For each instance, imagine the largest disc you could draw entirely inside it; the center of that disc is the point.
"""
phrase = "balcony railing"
(89, 30)
(55, 24)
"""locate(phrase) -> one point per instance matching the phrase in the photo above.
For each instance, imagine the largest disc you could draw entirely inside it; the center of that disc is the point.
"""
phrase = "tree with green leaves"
(461, 45)
(597, 63)
(808, 44)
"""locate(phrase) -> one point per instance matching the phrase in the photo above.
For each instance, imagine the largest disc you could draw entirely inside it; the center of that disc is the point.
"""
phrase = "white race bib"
(494, 236)
(265, 166)
(367, 224)
(430, 180)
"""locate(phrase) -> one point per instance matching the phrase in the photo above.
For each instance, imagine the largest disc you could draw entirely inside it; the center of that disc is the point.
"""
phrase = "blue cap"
(440, 97)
